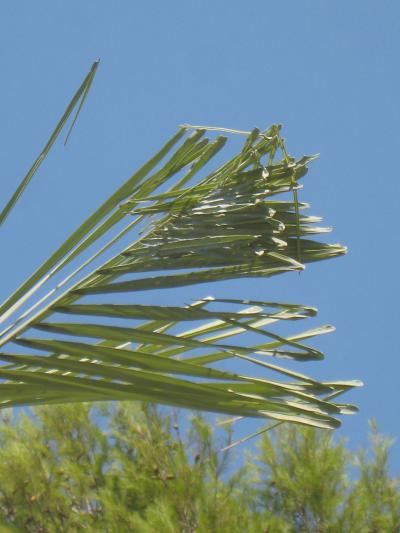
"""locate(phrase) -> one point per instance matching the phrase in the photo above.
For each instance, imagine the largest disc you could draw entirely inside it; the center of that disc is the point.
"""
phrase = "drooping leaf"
(210, 225)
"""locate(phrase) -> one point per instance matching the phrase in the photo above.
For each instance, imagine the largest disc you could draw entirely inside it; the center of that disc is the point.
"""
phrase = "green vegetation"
(131, 468)
(183, 218)
(75, 332)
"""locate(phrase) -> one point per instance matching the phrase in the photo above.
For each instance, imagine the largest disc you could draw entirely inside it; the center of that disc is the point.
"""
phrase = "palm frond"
(198, 225)
(77, 100)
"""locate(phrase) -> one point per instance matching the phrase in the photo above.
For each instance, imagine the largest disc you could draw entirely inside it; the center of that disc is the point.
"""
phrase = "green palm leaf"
(77, 100)
(198, 224)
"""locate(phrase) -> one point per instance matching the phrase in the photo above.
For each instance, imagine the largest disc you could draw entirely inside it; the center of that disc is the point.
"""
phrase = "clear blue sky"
(328, 71)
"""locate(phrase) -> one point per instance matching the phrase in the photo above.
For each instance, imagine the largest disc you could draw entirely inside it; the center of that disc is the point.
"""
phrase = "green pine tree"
(127, 467)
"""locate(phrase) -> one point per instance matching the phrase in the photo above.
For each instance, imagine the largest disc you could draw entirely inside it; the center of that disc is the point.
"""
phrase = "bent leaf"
(198, 223)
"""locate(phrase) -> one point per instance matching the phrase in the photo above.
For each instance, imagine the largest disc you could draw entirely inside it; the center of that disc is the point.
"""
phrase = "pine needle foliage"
(127, 467)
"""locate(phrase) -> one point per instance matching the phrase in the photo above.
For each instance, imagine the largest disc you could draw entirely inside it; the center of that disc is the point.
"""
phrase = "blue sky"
(327, 71)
